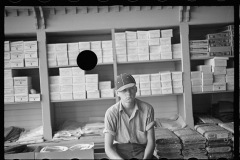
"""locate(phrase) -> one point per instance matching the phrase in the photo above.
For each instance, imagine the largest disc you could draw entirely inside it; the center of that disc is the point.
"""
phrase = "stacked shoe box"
(198, 48)
(218, 140)
(193, 143)
(168, 145)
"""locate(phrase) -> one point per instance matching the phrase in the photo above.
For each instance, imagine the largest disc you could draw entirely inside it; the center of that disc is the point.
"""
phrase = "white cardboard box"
(154, 49)
(61, 47)
(131, 35)
(122, 58)
(54, 79)
(55, 96)
(8, 98)
(51, 55)
(165, 48)
(132, 50)
(79, 87)
(120, 43)
(30, 45)
(62, 62)
(166, 84)
(221, 78)
(99, 52)
(177, 83)
(153, 42)
(91, 86)
(107, 52)
(54, 88)
(165, 41)
(155, 77)
(21, 98)
(230, 86)
(207, 75)
(219, 70)
(229, 79)
(22, 90)
(107, 59)
(230, 71)
(9, 73)
(144, 77)
(166, 33)
(76, 71)
(196, 89)
(93, 94)
(143, 50)
(34, 97)
(206, 82)
(17, 55)
(104, 85)
(196, 74)
(79, 95)
(145, 85)
(144, 92)
(143, 57)
(208, 88)
(17, 63)
(155, 91)
(51, 47)
(66, 96)
(7, 55)
(107, 93)
(96, 45)
(132, 43)
(6, 46)
(176, 75)
(204, 68)
(120, 36)
(121, 50)
(8, 82)
(219, 87)
(30, 54)
(22, 81)
(177, 47)
(8, 91)
(155, 56)
(132, 57)
(166, 76)
(168, 90)
(137, 78)
(216, 62)
(79, 79)
(178, 89)
(66, 88)
(72, 46)
(100, 60)
(30, 62)
(72, 61)
(62, 54)
(154, 34)
(16, 46)
(73, 54)
(196, 82)
(166, 55)
(142, 42)
(155, 84)
(107, 44)
(177, 55)
(84, 45)
(66, 80)
(142, 34)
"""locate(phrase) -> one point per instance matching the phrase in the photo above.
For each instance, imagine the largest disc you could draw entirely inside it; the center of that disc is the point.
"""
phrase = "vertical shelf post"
(186, 111)
(43, 72)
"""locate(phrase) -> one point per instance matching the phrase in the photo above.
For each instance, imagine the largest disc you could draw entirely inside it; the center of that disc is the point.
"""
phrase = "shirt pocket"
(141, 137)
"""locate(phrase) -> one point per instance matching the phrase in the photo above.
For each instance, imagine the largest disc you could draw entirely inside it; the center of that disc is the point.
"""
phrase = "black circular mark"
(104, 159)
(87, 60)
(192, 158)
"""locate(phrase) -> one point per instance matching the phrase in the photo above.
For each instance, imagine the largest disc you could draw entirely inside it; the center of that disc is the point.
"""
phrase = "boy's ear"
(116, 92)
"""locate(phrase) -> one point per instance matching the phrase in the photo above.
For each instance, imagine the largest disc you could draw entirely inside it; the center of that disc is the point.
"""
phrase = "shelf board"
(204, 58)
(100, 64)
(157, 95)
(23, 67)
(213, 92)
(21, 102)
(89, 99)
(152, 61)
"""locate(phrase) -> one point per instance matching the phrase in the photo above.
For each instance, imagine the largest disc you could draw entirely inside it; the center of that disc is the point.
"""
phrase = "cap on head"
(124, 81)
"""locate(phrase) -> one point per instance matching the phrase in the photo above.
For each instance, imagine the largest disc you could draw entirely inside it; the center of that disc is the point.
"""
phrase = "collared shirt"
(127, 129)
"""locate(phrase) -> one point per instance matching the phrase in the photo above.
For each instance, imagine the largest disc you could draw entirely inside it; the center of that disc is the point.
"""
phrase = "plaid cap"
(124, 81)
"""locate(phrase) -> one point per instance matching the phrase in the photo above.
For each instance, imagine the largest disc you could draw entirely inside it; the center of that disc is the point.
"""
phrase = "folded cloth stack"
(168, 145)
(31, 136)
(218, 140)
(223, 110)
(18, 148)
(205, 118)
(193, 143)
(11, 134)
(230, 127)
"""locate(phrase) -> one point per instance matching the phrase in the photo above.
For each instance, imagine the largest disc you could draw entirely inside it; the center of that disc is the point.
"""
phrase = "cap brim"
(126, 86)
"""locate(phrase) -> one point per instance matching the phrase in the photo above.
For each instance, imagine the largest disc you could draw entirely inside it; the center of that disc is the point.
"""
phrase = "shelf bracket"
(159, 7)
(84, 9)
(35, 17)
(42, 16)
(126, 8)
(188, 14)
(105, 9)
(180, 13)
(116, 8)
(95, 9)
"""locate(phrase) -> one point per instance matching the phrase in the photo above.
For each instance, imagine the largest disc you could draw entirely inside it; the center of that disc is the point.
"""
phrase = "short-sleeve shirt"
(127, 129)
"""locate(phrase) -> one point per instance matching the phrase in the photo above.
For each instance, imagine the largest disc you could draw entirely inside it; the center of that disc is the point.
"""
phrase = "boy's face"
(127, 95)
